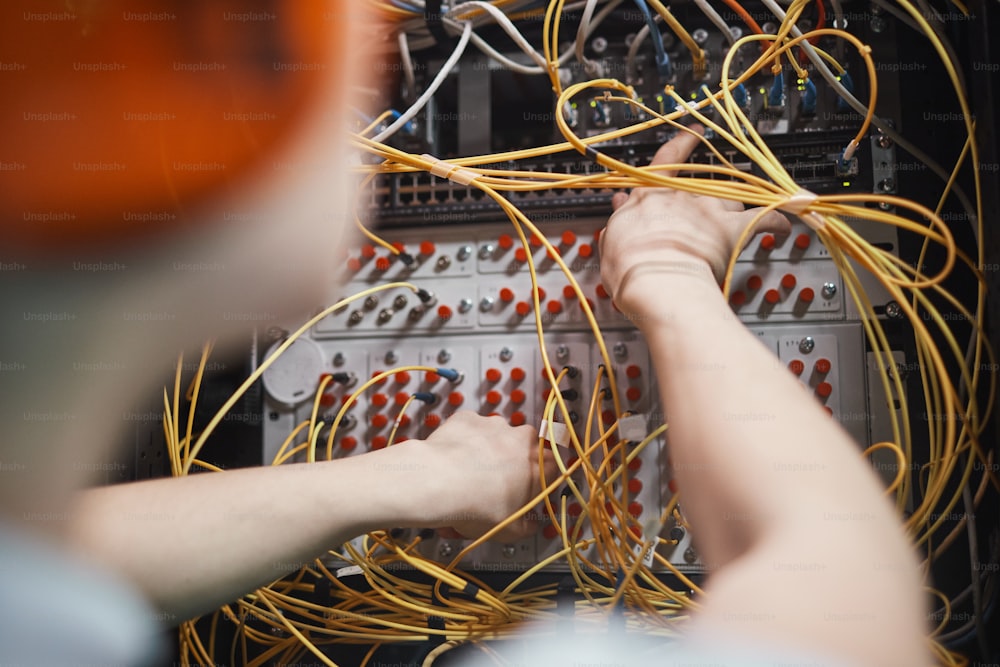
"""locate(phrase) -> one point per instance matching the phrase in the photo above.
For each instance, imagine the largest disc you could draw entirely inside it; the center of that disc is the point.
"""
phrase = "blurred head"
(199, 144)
(169, 171)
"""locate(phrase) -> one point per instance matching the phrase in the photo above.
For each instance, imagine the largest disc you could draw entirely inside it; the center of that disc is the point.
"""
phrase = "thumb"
(773, 221)
(618, 200)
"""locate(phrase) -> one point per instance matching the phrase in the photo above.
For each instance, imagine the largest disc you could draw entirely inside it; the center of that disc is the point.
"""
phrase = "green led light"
(847, 184)
(593, 104)
(763, 91)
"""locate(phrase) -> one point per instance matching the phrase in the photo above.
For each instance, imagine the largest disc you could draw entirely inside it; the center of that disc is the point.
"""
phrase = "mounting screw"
(445, 550)
(620, 350)
(486, 304)
(509, 551)
(442, 263)
(506, 354)
(465, 305)
(444, 356)
(690, 556)
(829, 290)
(893, 311)
(878, 24)
(883, 141)
(276, 333)
(806, 345)
(887, 185)
(699, 35)
(339, 359)
(562, 352)
(391, 357)
(486, 250)
(464, 253)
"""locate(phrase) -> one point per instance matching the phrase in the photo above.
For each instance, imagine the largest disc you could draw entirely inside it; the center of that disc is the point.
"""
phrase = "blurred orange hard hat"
(114, 112)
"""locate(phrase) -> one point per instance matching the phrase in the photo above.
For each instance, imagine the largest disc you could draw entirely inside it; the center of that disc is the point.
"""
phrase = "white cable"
(480, 43)
(404, 55)
(633, 51)
(719, 22)
(449, 64)
(505, 23)
(589, 66)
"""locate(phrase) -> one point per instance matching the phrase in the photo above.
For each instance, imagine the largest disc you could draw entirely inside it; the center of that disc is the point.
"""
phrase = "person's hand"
(656, 233)
(484, 470)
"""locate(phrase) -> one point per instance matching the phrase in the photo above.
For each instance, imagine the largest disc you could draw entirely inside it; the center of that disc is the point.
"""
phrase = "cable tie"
(632, 428)
(348, 571)
(470, 589)
(799, 202)
(435, 622)
(452, 172)
(555, 432)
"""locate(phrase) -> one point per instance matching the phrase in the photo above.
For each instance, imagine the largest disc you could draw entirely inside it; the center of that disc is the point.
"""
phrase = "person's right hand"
(658, 233)
(481, 471)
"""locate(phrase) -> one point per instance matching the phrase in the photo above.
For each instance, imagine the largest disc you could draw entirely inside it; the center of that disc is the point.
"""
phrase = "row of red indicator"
(769, 241)
(772, 296)
(822, 367)
(382, 263)
(553, 306)
(505, 242)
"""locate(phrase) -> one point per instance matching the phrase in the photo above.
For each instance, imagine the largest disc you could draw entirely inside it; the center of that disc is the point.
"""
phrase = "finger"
(731, 205)
(618, 200)
(678, 149)
(773, 221)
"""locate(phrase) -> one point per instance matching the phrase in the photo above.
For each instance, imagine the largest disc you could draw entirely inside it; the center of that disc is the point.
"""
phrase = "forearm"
(775, 490)
(194, 543)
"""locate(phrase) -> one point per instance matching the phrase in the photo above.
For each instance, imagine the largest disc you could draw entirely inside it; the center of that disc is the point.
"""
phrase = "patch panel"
(484, 284)
(481, 325)
(501, 373)
(786, 290)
